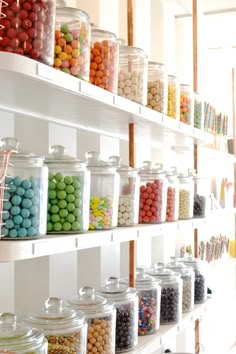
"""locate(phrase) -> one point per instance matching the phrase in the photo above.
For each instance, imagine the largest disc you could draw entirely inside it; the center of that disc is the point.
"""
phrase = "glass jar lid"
(155, 64)
(116, 290)
(56, 315)
(162, 273)
(74, 13)
(57, 156)
(185, 177)
(93, 160)
(116, 162)
(172, 174)
(148, 169)
(134, 51)
(144, 280)
(102, 33)
(179, 267)
(192, 261)
(16, 337)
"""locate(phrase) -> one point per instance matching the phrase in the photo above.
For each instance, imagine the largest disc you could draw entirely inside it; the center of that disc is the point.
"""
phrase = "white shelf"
(51, 95)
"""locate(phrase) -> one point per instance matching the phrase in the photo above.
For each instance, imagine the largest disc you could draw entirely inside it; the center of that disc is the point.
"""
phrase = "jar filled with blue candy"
(25, 194)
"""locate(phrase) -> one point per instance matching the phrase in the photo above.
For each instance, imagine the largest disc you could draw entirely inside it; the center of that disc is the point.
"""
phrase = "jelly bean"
(131, 86)
(157, 96)
(101, 212)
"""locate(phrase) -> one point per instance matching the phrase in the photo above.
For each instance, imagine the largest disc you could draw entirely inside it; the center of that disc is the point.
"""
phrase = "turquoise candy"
(4, 231)
(17, 181)
(16, 200)
(22, 232)
(13, 233)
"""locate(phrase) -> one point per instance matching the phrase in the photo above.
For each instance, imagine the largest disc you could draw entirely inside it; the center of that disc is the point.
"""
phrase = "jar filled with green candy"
(198, 111)
(68, 193)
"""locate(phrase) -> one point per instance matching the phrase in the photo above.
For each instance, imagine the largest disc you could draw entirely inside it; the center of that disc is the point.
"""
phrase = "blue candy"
(29, 193)
(26, 184)
(22, 232)
(31, 231)
(16, 200)
(20, 191)
(9, 224)
(13, 233)
(26, 223)
(17, 181)
(15, 210)
(26, 203)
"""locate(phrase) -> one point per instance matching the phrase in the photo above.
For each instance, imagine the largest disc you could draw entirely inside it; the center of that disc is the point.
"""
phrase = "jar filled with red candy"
(28, 29)
(104, 60)
(172, 208)
(153, 193)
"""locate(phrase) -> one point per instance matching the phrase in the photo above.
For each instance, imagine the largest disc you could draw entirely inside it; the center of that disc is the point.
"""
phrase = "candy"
(186, 109)
(173, 102)
(172, 208)
(198, 114)
(100, 336)
(185, 204)
(131, 86)
(126, 212)
(188, 294)
(126, 329)
(101, 212)
(156, 97)
(199, 288)
(148, 316)
(170, 305)
(63, 344)
(199, 207)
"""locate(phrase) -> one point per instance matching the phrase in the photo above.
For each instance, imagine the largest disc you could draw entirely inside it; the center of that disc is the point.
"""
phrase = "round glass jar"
(173, 97)
(104, 193)
(68, 193)
(25, 196)
(72, 42)
(64, 328)
(186, 196)
(16, 337)
(172, 208)
(171, 294)
(153, 194)
(186, 104)
(126, 303)
(201, 197)
(101, 318)
(198, 111)
(28, 29)
(133, 71)
(104, 60)
(188, 277)
(157, 96)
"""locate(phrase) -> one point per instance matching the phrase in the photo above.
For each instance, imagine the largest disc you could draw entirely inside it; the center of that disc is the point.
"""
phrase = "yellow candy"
(58, 49)
(98, 213)
(57, 62)
(91, 227)
(69, 56)
(95, 200)
(75, 53)
(94, 206)
(63, 56)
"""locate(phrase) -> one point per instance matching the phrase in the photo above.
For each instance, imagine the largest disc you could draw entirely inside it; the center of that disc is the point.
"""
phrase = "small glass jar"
(171, 294)
(186, 104)
(200, 285)
(188, 277)
(186, 196)
(16, 337)
(64, 328)
(25, 196)
(172, 208)
(133, 71)
(104, 193)
(28, 29)
(72, 42)
(198, 111)
(68, 193)
(157, 96)
(126, 303)
(173, 97)
(104, 60)
(201, 197)
(153, 194)
(101, 318)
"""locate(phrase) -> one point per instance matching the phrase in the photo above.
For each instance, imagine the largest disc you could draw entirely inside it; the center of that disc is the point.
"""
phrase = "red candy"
(172, 208)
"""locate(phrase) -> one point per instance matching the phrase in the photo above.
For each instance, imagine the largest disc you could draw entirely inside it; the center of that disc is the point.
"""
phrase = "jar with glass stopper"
(157, 96)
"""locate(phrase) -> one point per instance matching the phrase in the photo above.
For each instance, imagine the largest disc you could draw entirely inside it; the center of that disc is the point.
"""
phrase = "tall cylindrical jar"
(133, 73)
(173, 97)
(126, 303)
(28, 29)
(104, 193)
(172, 208)
(186, 104)
(68, 193)
(201, 197)
(186, 196)
(101, 318)
(64, 328)
(25, 195)
(72, 42)
(104, 56)
(157, 96)
(153, 194)
(198, 111)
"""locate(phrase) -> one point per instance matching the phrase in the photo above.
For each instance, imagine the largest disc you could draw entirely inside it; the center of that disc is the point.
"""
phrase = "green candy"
(76, 184)
(77, 202)
(57, 226)
(58, 176)
(51, 176)
(69, 189)
(77, 193)
(52, 194)
(68, 180)
(55, 218)
(70, 206)
(66, 226)
(64, 28)
(70, 218)
(54, 209)
(62, 204)
(61, 195)
(70, 198)
(65, 70)
(51, 185)
(62, 220)
(60, 186)
(68, 37)
(49, 226)
(77, 212)
(75, 226)
(54, 201)
(63, 213)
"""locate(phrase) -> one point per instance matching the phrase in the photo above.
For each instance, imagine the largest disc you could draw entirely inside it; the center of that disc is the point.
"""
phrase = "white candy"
(122, 208)
(131, 86)
(126, 211)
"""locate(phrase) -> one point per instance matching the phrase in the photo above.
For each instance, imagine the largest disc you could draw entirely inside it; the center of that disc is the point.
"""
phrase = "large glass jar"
(28, 29)
(64, 328)
(157, 96)
(188, 277)
(200, 285)
(72, 42)
(68, 193)
(171, 294)
(186, 195)
(186, 104)
(104, 193)
(153, 194)
(201, 197)
(133, 70)
(198, 111)
(16, 337)
(25, 197)
(173, 97)
(126, 303)
(101, 317)
(104, 60)
(172, 208)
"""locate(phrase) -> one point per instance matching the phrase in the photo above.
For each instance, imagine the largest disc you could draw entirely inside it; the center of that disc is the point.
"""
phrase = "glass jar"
(126, 303)
(186, 104)
(201, 197)
(173, 97)
(104, 60)
(25, 197)
(188, 277)
(16, 337)
(186, 196)
(68, 193)
(172, 208)
(64, 328)
(101, 317)
(157, 96)
(28, 29)
(133, 70)
(72, 42)
(153, 194)
(171, 294)
(198, 111)
(104, 193)
(200, 285)
(129, 193)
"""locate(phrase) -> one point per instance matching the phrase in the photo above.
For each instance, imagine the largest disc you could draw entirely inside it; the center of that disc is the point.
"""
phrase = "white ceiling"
(184, 7)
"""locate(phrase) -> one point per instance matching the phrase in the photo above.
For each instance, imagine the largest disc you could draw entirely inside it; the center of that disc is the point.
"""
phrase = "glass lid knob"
(7, 319)
(9, 143)
(112, 282)
(53, 304)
